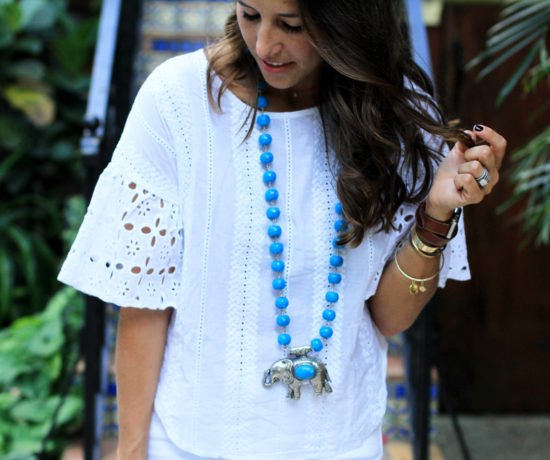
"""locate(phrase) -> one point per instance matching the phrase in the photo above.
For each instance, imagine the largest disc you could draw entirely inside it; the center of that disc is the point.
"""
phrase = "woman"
(276, 205)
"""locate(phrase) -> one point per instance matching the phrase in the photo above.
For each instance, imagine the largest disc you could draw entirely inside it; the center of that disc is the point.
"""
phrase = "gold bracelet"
(417, 284)
(422, 248)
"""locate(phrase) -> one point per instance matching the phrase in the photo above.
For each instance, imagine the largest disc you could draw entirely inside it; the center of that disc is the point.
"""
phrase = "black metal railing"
(109, 100)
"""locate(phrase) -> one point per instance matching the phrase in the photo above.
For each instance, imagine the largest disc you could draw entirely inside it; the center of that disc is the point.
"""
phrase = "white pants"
(161, 448)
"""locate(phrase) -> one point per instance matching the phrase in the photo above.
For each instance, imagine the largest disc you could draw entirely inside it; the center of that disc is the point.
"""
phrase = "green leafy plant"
(40, 401)
(45, 51)
(524, 27)
(37, 356)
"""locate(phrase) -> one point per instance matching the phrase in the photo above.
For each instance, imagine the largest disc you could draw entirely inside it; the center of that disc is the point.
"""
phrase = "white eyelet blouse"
(178, 220)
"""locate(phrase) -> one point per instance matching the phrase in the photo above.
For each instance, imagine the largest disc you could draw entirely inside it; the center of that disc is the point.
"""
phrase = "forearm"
(393, 307)
(139, 352)
(456, 184)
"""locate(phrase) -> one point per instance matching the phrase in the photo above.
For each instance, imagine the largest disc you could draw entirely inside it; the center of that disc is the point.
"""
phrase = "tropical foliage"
(524, 27)
(45, 51)
(40, 404)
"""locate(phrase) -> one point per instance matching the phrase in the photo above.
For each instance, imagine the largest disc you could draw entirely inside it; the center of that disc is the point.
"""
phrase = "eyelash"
(284, 25)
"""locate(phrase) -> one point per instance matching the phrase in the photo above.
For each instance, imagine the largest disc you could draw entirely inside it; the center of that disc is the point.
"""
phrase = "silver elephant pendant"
(297, 370)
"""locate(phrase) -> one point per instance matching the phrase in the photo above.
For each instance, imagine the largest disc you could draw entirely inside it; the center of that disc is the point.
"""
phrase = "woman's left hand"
(461, 178)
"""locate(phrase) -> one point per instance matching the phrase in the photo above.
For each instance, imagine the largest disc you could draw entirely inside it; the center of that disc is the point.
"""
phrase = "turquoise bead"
(335, 244)
(317, 344)
(266, 158)
(332, 296)
(276, 248)
(278, 266)
(273, 213)
(262, 102)
(336, 261)
(271, 194)
(275, 231)
(278, 284)
(283, 320)
(284, 339)
(265, 139)
(281, 303)
(329, 315)
(263, 120)
(269, 177)
(304, 371)
(340, 225)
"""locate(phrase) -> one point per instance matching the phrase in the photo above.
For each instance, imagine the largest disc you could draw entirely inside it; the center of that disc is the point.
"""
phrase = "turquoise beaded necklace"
(297, 367)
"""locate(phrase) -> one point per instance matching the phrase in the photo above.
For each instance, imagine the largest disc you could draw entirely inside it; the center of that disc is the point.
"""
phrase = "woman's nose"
(267, 42)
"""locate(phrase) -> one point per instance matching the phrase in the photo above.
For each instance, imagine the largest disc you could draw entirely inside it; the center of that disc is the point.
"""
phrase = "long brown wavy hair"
(377, 105)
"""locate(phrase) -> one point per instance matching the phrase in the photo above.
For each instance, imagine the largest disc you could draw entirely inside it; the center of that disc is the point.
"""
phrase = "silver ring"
(484, 179)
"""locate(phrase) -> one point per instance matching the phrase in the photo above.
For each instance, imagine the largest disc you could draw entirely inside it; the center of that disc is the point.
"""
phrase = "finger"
(474, 167)
(484, 154)
(470, 190)
(497, 142)
(469, 139)
(477, 170)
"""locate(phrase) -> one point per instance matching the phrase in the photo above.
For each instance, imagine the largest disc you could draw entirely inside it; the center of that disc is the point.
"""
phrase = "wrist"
(438, 213)
(421, 248)
(435, 232)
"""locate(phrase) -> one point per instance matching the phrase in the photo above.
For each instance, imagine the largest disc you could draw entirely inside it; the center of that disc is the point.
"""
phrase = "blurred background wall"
(493, 331)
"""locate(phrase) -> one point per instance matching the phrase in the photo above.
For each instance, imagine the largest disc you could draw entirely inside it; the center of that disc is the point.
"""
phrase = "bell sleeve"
(129, 248)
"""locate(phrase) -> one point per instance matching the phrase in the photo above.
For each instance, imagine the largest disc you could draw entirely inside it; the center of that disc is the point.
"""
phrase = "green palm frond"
(530, 178)
(539, 73)
(524, 25)
(524, 28)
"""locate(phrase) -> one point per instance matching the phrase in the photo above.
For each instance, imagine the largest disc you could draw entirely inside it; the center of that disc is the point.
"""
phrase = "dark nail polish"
(478, 128)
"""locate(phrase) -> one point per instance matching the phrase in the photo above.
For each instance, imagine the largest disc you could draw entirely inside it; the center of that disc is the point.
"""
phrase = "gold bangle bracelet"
(417, 284)
(422, 248)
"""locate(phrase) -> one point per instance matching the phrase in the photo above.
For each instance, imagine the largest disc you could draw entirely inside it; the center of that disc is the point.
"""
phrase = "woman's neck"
(292, 99)
(288, 100)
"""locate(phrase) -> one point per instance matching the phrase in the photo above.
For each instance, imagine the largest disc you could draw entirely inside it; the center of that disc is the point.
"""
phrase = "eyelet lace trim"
(129, 250)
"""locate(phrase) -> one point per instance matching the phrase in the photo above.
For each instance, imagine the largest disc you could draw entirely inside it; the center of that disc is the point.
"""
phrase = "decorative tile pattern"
(172, 27)
(397, 423)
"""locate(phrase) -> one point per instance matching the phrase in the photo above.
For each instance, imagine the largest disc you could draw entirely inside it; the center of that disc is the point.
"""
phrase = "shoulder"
(172, 89)
(179, 72)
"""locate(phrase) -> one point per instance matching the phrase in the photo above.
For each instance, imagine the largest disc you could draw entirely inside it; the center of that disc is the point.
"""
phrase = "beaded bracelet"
(417, 284)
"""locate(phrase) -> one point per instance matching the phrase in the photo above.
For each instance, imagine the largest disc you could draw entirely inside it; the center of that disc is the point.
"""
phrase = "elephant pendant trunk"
(296, 370)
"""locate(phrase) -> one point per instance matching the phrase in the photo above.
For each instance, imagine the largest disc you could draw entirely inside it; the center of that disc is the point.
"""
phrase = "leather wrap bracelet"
(433, 232)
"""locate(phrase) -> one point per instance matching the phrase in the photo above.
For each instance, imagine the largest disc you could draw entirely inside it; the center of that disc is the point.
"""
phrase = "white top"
(178, 220)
